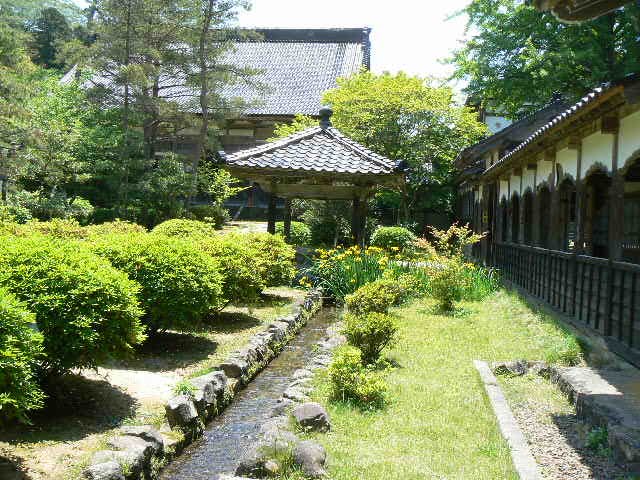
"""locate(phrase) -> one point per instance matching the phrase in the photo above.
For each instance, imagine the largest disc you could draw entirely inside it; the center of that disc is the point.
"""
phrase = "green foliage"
(57, 228)
(300, 122)
(180, 283)
(329, 221)
(13, 213)
(449, 281)
(185, 387)
(410, 119)
(342, 271)
(300, 233)
(215, 214)
(351, 381)
(51, 30)
(598, 441)
(377, 296)
(20, 349)
(242, 283)
(371, 333)
(567, 351)
(393, 238)
(86, 310)
(273, 258)
(517, 57)
(55, 205)
(117, 226)
(453, 241)
(179, 227)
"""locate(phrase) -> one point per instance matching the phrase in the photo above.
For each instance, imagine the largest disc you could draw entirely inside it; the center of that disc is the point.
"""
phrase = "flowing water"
(231, 434)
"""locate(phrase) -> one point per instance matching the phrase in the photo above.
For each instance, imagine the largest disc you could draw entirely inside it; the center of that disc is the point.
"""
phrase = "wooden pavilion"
(318, 163)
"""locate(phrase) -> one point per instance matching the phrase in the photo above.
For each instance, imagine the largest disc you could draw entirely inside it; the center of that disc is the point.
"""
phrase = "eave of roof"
(575, 11)
(316, 150)
(587, 102)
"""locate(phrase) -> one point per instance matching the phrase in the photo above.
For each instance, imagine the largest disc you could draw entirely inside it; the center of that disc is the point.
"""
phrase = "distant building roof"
(320, 149)
(294, 68)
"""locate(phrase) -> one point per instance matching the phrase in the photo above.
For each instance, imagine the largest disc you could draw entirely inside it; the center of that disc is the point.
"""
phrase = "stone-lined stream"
(232, 433)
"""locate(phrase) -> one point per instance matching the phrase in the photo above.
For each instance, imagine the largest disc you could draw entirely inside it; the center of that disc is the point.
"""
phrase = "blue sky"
(408, 35)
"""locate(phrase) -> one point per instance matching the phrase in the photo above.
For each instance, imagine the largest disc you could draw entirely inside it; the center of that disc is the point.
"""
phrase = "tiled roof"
(293, 68)
(315, 149)
(565, 116)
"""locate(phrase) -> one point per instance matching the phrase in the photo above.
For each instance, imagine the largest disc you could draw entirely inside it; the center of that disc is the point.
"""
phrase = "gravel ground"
(555, 435)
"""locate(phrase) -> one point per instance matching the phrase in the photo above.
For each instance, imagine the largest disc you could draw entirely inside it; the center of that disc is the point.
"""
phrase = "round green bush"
(274, 259)
(242, 284)
(179, 227)
(371, 333)
(86, 310)
(180, 283)
(20, 349)
(351, 381)
(377, 296)
(56, 227)
(393, 238)
(300, 233)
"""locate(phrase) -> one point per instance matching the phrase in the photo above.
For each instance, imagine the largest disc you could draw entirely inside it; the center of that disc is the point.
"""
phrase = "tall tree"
(50, 31)
(517, 57)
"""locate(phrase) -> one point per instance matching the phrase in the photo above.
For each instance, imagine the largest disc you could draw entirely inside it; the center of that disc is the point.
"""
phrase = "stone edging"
(140, 452)
(523, 460)
(294, 412)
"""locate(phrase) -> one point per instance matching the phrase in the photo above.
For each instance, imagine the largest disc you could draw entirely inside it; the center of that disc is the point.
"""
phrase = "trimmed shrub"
(216, 215)
(14, 213)
(20, 348)
(116, 226)
(86, 310)
(180, 283)
(300, 233)
(371, 333)
(350, 380)
(274, 259)
(242, 284)
(180, 227)
(449, 282)
(377, 296)
(56, 227)
(394, 238)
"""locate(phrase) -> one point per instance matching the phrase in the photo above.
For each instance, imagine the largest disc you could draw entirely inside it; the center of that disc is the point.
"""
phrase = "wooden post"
(271, 214)
(358, 220)
(287, 219)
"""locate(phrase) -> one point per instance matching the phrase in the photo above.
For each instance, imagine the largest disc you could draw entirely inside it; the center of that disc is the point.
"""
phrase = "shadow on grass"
(76, 407)
(274, 300)
(11, 468)
(231, 322)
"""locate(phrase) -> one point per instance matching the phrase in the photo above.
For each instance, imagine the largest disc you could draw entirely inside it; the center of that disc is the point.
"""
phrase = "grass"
(438, 422)
(87, 411)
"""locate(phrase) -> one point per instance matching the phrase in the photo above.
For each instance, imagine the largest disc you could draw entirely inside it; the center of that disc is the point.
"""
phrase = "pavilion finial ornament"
(325, 116)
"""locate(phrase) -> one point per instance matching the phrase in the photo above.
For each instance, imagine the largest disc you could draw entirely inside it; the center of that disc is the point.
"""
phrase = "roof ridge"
(266, 148)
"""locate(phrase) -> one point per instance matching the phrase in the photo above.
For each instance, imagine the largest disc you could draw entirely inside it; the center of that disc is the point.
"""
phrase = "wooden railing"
(598, 293)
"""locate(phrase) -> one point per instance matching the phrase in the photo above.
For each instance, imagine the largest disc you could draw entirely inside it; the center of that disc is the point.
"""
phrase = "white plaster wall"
(545, 168)
(515, 184)
(629, 138)
(597, 148)
(528, 179)
(569, 160)
(504, 189)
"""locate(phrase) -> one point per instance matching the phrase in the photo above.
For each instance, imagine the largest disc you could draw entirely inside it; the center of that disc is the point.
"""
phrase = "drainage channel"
(231, 434)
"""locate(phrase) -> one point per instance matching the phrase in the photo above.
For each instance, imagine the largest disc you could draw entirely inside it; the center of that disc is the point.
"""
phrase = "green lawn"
(438, 423)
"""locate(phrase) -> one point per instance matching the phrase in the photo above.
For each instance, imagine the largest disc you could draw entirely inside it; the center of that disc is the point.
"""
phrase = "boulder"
(148, 434)
(311, 458)
(312, 416)
(104, 471)
(539, 368)
(295, 394)
(136, 446)
(181, 412)
(235, 367)
(282, 406)
(253, 464)
(290, 319)
(205, 396)
(126, 459)
(302, 373)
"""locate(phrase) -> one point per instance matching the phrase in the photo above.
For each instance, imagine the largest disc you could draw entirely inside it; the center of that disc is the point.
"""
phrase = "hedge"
(179, 227)
(390, 238)
(20, 349)
(86, 310)
(180, 283)
(274, 259)
(300, 233)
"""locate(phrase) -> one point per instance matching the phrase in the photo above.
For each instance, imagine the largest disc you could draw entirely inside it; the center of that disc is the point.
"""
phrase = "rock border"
(140, 452)
(523, 460)
(294, 412)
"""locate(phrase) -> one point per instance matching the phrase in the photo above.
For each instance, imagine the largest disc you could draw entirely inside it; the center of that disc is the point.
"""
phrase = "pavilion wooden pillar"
(358, 220)
(287, 219)
(271, 214)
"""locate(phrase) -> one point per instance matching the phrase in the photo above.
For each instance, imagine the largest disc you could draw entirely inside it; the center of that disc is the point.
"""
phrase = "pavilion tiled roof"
(316, 149)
